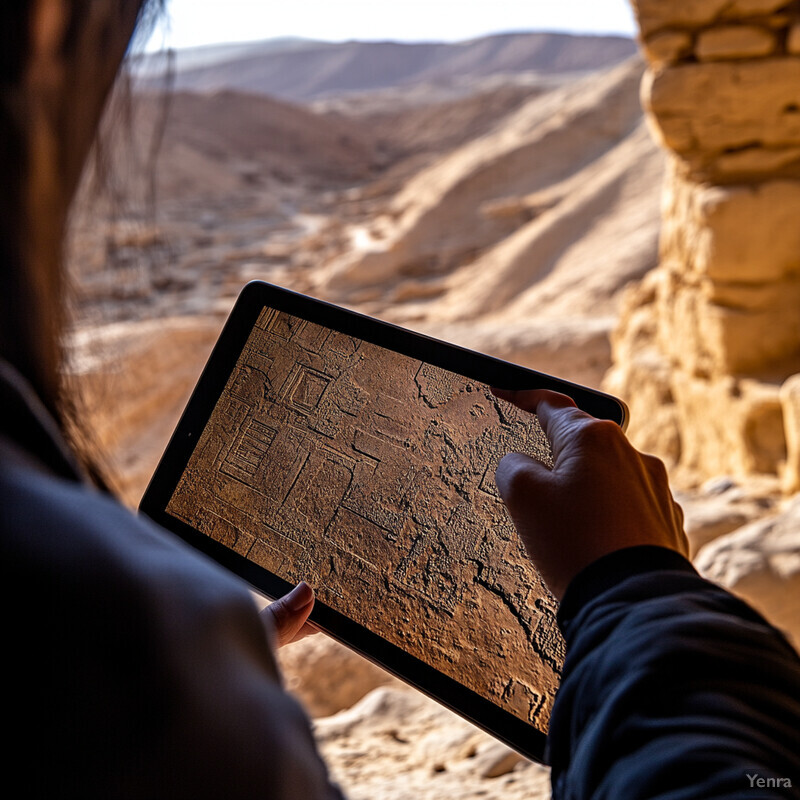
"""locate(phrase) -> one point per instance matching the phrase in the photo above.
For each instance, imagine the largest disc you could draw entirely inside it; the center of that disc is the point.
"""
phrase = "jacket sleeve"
(672, 688)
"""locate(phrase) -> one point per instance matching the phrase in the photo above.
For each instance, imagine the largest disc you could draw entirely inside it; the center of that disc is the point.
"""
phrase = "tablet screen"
(370, 475)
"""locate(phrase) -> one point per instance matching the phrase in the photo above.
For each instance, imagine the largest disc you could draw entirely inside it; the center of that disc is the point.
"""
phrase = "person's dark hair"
(58, 62)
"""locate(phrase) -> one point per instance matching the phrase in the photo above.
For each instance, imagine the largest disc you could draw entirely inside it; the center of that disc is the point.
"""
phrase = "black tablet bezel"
(257, 295)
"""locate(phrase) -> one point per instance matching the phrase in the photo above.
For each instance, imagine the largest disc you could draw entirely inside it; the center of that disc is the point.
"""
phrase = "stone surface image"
(370, 475)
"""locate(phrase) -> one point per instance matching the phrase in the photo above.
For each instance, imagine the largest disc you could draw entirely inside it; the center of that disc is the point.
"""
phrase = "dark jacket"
(134, 667)
(672, 688)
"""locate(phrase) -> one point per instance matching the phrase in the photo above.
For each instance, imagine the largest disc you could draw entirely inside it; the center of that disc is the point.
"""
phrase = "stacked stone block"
(722, 95)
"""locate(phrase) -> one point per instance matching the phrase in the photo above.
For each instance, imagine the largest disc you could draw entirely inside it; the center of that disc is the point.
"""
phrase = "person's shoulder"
(128, 647)
(68, 535)
(114, 586)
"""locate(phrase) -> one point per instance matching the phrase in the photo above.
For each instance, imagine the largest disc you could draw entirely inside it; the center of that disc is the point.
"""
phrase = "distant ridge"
(190, 58)
(306, 70)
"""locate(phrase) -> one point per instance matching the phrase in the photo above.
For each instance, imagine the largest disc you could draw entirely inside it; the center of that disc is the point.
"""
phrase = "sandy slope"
(213, 144)
(395, 744)
(450, 210)
(521, 239)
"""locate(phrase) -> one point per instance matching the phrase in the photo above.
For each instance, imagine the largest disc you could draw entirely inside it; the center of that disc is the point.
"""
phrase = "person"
(137, 668)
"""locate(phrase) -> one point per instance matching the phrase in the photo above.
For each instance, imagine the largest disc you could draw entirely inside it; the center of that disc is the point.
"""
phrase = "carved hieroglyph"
(371, 476)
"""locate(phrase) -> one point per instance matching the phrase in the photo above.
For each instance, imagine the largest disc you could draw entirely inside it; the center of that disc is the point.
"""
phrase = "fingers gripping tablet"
(324, 446)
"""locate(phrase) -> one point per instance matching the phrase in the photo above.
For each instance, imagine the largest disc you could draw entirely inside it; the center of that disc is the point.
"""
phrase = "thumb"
(289, 613)
(518, 476)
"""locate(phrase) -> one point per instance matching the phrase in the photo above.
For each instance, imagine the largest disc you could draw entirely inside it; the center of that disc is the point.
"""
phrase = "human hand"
(602, 494)
(288, 616)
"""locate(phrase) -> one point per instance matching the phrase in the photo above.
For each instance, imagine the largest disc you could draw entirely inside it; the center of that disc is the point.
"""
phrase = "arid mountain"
(303, 71)
(212, 142)
(408, 129)
(253, 137)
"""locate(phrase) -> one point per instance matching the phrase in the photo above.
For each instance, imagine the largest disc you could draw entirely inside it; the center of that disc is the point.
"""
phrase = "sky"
(192, 23)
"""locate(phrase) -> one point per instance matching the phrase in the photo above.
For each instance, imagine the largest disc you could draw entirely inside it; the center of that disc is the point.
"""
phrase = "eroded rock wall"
(705, 343)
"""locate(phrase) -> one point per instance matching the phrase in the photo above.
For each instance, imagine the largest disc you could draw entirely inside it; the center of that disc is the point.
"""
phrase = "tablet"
(326, 446)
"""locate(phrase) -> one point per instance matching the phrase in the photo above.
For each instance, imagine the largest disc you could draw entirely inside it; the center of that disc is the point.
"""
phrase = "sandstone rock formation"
(790, 401)
(722, 505)
(395, 744)
(761, 563)
(716, 330)
(328, 677)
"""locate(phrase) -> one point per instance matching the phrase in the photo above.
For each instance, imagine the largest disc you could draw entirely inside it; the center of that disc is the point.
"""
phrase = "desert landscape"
(616, 213)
